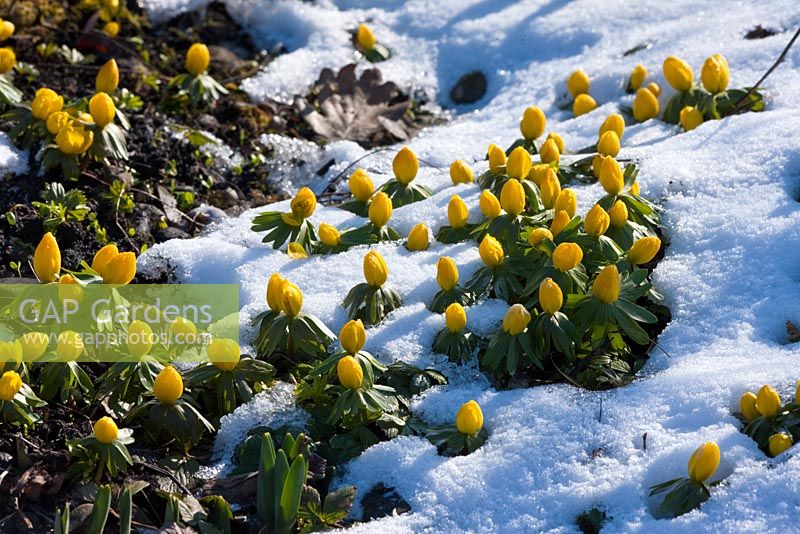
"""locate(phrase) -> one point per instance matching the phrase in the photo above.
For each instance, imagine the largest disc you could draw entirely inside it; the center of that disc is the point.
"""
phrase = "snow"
(12, 160)
(730, 275)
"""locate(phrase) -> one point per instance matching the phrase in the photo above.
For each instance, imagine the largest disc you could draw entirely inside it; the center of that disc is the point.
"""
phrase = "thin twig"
(739, 104)
(562, 373)
(167, 473)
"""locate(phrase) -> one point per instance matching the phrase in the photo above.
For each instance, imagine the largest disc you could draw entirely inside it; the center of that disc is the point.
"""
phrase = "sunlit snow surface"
(731, 275)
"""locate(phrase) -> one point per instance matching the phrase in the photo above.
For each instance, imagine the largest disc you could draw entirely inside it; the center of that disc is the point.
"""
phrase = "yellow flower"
(704, 461)
(779, 443)
(352, 336)
(519, 163)
(550, 188)
(103, 256)
(296, 251)
(168, 385)
(418, 238)
(538, 235)
(644, 250)
(69, 288)
(6, 29)
(291, 299)
(365, 38)
(105, 430)
(549, 152)
(304, 203)
(461, 173)
(533, 123)
(10, 351)
(290, 219)
(797, 393)
(567, 201)
(497, 158)
(634, 190)
(578, 83)
(121, 269)
(516, 320)
(560, 221)
(512, 197)
(184, 328)
(455, 317)
(74, 139)
(34, 345)
(611, 176)
(45, 103)
(47, 259)
(747, 405)
(10, 384)
(645, 105)
(490, 206)
(597, 221)
(550, 296)
(457, 213)
(274, 290)
(380, 210)
(139, 338)
(491, 251)
(637, 77)
(111, 28)
(375, 270)
(768, 401)
(446, 273)
(567, 256)
(361, 185)
(654, 88)
(558, 140)
(197, 59)
(329, 235)
(678, 73)
(350, 373)
(606, 285)
(608, 144)
(618, 214)
(107, 79)
(469, 419)
(613, 123)
(56, 121)
(583, 104)
(7, 59)
(405, 166)
(538, 173)
(691, 118)
(102, 109)
(69, 346)
(715, 74)
(224, 354)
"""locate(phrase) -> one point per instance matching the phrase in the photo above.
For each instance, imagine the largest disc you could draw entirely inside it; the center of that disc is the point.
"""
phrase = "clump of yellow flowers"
(771, 423)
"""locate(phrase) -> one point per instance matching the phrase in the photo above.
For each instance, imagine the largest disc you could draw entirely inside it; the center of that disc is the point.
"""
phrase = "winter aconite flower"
(304, 203)
(274, 289)
(10, 384)
(519, 163)
(560, 221)
(361, 185)
(380, 210)
(567, 201)
(69, 345)
(550, 296)
(350, 373)
(6, 29)
(550, 188)
(618, 214)
(516, 320)
(365, 38)
(715, 74)
(405, 165)
(704, 462)
(461, 173)
(102, 109)
(74, 139)
(778, 443)
(497, 157)
(296, 251)
(678, 73)
(567, 256)
(224, 353)
(446, 273)
(352, 336)
(597, 221)
(184, 328)
(47, 259)
(637, 77)
(654, 88)
(578, 83)
(329, 235)
(168, 385)
(111, 28)
(291, 299)
(107, 78)
(491, 251)
(645, 105)
(455, 317)
(490, 206)
(139, 338)
(533, 123)
(45, 103)
(469, 419)
(549, 152)
(197, 59)
(457, 212)
(608, 144)
(613, 123)
(33, 345)
(120, 269)
(606, 285)
(538, 235)
(691, 118)
(56, 121)
(105, 430)
(558, 140)
(583, 104)
(375, 270)
(747, 405)
(768, 401)
(7, 59)
(644, 250)
(418, 238)
(512, 197)
(611, 176)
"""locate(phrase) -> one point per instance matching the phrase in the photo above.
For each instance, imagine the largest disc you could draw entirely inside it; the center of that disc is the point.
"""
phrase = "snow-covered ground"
(731, 275)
